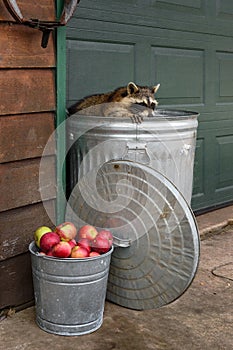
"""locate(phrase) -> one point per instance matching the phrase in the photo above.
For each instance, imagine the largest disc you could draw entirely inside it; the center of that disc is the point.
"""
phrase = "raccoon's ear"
(155, 88)
(132, 88)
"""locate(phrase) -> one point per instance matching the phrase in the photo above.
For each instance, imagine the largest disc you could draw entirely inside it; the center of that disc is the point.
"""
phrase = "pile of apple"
(66, 242)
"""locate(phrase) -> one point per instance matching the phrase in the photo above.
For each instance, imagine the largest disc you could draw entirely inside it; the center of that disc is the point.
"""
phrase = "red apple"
(48, 240)
(40, 231)
(101, 245)
(106, 234)
(62, 250)
(79, 252)
(87, 231)
(50, 253)
(93, 254)
(66, 231)
(72, 243)
(85, 243)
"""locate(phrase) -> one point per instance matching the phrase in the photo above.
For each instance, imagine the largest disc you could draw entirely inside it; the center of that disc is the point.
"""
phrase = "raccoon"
(132, 101)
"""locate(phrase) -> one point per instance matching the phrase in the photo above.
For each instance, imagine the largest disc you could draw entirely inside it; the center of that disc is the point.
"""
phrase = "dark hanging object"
(45, 26)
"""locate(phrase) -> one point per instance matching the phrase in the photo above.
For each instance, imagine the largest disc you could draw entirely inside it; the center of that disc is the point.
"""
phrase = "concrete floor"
(201, 319)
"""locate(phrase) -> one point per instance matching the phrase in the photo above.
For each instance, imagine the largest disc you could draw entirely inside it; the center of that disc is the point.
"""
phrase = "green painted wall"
(60, 116)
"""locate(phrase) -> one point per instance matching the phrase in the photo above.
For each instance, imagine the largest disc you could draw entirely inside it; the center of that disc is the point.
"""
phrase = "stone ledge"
(216, 229)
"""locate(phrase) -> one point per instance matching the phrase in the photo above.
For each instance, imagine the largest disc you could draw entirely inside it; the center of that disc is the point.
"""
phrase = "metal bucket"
(165, 142)
(69, 293)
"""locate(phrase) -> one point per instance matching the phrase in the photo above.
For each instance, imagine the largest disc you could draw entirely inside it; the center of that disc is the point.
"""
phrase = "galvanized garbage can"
(165, 142)
(153, 227)
(69, 293)
(136, 180)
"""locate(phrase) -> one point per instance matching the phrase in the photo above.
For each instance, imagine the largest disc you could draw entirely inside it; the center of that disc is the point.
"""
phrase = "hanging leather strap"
(45, 26)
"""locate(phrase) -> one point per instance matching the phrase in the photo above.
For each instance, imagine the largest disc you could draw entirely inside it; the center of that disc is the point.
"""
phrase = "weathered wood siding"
(27, 113)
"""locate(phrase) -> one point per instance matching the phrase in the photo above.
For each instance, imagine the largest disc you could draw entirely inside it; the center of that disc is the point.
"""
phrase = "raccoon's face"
(142, 95)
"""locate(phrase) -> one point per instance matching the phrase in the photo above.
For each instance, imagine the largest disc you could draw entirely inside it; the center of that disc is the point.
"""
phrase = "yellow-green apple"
(48, 240)
(40, 231)
(66, 231)
(62, 250)
(79, 252)
(87, 231)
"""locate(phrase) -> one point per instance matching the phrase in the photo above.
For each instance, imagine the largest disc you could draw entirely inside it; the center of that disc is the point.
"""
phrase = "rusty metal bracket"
(45, 26)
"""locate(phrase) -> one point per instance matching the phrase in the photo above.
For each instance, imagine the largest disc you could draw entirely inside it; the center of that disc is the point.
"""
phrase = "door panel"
(224, 163)
(96, 65)
(169, 65)
(223, 78)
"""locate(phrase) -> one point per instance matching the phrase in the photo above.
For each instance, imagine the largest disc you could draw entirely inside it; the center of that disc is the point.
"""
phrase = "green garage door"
(187, 46)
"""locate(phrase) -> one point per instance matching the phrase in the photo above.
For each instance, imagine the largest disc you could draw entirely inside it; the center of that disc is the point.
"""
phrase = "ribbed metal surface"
(165, 142)
(143, 208)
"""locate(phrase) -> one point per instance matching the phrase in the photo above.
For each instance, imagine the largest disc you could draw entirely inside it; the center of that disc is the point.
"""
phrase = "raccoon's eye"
(142, 104)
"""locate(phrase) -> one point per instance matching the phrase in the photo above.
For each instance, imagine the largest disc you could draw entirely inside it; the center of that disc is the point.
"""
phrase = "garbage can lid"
(154, 229)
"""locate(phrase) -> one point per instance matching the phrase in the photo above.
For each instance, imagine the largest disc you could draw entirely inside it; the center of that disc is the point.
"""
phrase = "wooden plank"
(19, 182)
(16, 281)
(20, 46)
(25, 136)
(43, 10)
(17, 227)
(26, 91)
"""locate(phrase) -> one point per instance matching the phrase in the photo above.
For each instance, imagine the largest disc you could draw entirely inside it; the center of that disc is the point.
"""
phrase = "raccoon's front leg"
(136, 118)
(138, 114)
(116, 111)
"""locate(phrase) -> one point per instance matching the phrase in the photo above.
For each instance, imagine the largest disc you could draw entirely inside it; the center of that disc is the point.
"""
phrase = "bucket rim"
(34, 250)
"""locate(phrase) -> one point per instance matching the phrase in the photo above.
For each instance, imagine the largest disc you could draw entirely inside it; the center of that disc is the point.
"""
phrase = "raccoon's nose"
(151, 104)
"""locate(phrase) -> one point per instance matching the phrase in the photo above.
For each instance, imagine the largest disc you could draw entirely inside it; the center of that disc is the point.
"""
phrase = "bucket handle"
(121, 243)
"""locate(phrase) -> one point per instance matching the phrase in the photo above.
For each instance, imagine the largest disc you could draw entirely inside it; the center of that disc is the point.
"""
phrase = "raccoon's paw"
(136, 118)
